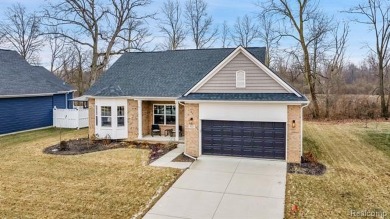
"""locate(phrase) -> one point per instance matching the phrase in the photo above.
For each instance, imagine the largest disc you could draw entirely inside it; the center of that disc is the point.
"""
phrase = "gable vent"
(240, 79)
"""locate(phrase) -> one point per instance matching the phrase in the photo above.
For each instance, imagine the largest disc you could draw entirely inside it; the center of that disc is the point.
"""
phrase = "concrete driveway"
(225, 187)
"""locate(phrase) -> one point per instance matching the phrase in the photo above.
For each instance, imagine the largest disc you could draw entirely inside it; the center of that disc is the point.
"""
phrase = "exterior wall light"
(191, 121)
(293, 123)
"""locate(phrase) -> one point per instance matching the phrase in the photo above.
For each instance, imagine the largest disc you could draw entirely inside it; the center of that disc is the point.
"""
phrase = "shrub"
(106, 140)
(309, 157)
(63, 146)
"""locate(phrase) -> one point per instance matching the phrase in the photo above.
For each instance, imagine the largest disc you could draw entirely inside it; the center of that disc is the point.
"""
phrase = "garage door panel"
(241, 138)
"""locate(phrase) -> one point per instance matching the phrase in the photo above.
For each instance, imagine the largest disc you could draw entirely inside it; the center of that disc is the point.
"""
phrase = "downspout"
(185, 153)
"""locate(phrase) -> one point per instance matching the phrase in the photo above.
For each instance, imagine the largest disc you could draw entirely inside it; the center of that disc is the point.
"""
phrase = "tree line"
(84, 35)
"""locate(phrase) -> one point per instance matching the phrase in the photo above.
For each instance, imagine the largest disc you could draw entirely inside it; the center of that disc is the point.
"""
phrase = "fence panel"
(70, 118)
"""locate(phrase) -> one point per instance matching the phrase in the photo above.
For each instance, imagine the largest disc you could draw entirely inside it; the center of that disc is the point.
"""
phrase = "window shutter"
(240, 79)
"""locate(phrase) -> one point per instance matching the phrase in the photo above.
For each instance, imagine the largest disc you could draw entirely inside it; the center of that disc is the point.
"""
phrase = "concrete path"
(166, 160)
(225, 187)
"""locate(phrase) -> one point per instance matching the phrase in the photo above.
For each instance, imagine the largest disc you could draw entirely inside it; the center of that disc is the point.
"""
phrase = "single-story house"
(217, 101)
(28, 94)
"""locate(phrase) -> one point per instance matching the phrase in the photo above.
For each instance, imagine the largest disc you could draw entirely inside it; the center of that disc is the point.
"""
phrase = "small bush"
(63, 146)
(107, 140)
(309, 157)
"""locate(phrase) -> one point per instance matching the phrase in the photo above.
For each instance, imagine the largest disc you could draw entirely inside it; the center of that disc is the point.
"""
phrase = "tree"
(304, 23)
(225, 33)
(268, 35)
(200, 23)
(171, 25)
(103, 28)
(245, 31)
(335, 64)
(57, 48)
(22, 31)
(74, 67)
(375, 14)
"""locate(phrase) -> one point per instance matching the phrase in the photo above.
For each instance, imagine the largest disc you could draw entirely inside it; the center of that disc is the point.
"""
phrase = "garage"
(244, 138)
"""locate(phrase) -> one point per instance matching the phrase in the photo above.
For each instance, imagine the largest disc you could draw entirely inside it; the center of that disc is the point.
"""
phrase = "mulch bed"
(82, 146)
(183, 158)
(307, 168)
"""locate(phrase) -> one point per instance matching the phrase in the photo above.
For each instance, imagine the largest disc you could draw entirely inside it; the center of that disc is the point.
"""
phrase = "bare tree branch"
(171, 25)
(200, 23)
(376, 14)
(245, 31)
(22, 30)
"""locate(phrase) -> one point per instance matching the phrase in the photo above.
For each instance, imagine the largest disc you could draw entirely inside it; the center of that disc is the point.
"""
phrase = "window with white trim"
(240, 79)
(120, 116)
(106, 116)
(164, 114)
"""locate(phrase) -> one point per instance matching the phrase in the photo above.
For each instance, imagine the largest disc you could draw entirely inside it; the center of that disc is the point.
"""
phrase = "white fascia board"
(237, 101)
(27, 95)
(250, 57)
(136, 98)
(156, 98)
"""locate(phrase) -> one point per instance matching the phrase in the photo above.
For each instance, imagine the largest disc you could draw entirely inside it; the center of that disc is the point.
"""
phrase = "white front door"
(111, 117)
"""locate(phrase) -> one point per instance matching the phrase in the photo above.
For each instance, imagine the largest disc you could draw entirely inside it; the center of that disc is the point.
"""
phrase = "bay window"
(120, 116)
(106, 116)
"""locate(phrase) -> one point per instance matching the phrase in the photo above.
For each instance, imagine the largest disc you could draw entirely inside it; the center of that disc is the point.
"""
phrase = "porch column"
(177, 120)
(139, 119)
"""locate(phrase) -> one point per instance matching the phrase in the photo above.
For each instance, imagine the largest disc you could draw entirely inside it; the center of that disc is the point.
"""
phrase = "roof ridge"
(202, 49)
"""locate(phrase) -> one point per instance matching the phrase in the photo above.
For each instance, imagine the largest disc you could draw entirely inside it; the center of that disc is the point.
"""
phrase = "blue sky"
(229, 10)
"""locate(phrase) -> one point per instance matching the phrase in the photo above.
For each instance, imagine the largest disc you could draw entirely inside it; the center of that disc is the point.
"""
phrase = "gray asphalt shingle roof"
(18, 77)
(161, 74)
(244, 97)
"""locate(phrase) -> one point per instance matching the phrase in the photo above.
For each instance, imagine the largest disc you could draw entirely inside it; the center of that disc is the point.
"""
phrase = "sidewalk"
(166, 160)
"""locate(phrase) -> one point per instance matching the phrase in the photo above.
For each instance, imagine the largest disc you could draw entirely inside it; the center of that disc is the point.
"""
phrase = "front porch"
(166, 115)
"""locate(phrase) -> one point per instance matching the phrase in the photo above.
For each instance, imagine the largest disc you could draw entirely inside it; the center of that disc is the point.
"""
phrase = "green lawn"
(116, 183)
(358, 175)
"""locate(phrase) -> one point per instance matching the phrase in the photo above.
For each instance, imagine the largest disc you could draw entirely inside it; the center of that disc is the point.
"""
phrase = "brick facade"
(294, 134)
(91, 115)
(192, 129)
(132, 119)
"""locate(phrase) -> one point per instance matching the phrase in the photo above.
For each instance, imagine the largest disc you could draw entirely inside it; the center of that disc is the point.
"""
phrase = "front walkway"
(225, 187)
(166, 160)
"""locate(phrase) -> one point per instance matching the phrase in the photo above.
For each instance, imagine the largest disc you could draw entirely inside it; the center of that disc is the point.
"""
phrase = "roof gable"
(254, 78)
(209, 84)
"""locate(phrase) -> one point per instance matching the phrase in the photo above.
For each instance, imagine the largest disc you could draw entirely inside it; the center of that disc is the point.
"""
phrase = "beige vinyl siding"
(257, 81)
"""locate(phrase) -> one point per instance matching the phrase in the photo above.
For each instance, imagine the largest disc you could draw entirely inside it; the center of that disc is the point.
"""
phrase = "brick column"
(91, 115)
(132, 119)
(294, 140)
(191, 129)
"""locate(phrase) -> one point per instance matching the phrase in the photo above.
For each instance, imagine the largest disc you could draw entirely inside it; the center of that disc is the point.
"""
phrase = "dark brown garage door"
(246, 139)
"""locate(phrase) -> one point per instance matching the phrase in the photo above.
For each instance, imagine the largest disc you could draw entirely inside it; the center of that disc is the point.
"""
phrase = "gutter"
(249, 101)
(36, 95)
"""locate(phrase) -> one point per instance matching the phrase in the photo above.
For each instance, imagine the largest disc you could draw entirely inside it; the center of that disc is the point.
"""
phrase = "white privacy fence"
(70, 118)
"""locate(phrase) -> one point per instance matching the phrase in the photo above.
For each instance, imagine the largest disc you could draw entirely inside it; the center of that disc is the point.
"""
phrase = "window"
(96, 115)
(106, 116)
(120, 116)
(240, 79)
(164, 114)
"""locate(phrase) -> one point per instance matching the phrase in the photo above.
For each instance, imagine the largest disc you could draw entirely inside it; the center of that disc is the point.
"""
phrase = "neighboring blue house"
(28, 94)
